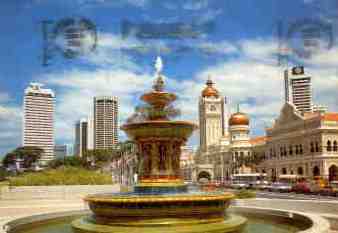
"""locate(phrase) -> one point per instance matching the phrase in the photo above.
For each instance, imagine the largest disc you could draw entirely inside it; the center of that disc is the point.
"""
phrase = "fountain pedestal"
(160, 201)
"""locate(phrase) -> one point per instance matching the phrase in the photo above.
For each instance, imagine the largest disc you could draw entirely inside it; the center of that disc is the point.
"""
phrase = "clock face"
(212, 108)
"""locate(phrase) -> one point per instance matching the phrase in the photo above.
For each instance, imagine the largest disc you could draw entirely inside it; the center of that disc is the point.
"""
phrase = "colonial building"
(302, 144)
(225, 144)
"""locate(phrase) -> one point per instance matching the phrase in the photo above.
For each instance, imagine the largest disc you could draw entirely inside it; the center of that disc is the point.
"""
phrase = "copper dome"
(239, 118)
(210, 90)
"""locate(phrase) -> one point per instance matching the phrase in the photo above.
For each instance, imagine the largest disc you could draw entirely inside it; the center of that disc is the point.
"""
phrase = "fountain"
(160, 201)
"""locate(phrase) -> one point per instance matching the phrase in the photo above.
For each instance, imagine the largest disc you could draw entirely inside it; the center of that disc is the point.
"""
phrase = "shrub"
(66, 176)
(243, 194)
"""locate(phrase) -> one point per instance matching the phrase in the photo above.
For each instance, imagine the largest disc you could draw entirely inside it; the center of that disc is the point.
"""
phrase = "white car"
(280, 187)
(239, 185)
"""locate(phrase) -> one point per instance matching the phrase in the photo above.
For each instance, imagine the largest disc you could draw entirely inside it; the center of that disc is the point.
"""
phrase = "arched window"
(300, 171)
(312, 148)
(284, 171)
(334, 145)
(290, 150)
(297, 151)
(301, 149)
(317, 147)
(328, 146)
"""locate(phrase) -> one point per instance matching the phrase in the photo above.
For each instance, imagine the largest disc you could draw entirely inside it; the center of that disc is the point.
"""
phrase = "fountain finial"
(159, 82)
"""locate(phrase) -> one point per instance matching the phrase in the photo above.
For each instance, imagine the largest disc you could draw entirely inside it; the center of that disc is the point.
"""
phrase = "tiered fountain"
(160, 201)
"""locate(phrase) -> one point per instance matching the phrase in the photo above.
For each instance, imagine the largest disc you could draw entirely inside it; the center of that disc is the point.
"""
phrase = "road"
(294, 196)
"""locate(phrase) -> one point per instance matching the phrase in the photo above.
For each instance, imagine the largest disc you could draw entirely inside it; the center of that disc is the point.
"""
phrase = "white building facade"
(106, 127)
(38, 120)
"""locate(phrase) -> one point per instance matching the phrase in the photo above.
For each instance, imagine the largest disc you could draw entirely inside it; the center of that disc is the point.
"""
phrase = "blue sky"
(238, 50)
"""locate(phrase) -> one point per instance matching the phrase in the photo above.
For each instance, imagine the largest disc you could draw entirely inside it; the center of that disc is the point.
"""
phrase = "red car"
(301, 187)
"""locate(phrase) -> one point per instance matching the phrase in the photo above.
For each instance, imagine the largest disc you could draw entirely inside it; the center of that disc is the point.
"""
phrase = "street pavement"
(294, 196)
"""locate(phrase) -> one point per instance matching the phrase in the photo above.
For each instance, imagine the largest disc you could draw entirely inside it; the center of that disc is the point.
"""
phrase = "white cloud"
(324, 58)
(195, 4)
(253, 80)
(222, 47)
(77, 89)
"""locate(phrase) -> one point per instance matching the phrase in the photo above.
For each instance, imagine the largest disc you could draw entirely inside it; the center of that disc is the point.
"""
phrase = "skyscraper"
(211, 116)
(84, 136)
(105, 122)
(298, 89)
(38, 121)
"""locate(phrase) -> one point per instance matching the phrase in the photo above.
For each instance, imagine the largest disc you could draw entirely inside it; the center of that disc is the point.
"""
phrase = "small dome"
(210, 90)
(239, 118)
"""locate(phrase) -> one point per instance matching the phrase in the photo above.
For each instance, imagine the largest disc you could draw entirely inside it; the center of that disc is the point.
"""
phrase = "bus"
(249, 180)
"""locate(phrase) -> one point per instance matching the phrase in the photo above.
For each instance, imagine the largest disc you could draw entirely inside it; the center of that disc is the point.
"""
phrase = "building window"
(290, 150)
(317, 147)
(301, 149)
(312, 148)
(284, 171)
(329, 147)
(297, 151)
(334, 145)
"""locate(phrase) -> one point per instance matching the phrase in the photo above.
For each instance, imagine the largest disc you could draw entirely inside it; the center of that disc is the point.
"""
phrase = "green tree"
(29, 155)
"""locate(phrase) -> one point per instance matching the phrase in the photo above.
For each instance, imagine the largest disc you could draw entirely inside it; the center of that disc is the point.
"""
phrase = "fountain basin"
(196, 211)
(112, 208)
(259, 220)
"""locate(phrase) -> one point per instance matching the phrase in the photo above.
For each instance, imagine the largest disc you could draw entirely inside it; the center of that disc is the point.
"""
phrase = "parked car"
(239, 185)
(280, 187)
(261, 185)
(334, 186)
(306, 187)
(301, 187)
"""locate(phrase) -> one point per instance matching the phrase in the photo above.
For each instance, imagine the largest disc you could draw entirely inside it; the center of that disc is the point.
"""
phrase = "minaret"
(211, 116)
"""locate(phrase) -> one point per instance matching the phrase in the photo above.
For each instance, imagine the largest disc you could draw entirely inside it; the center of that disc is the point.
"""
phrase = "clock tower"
(211, 116)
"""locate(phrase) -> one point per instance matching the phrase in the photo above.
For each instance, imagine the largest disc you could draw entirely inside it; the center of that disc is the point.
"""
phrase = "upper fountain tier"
(158, 99)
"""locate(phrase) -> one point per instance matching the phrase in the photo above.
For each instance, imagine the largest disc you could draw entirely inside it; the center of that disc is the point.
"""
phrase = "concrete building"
(38, 120)
(61, 151)
(302, 144)
(84, 136)
(105, 122)
(298, 89)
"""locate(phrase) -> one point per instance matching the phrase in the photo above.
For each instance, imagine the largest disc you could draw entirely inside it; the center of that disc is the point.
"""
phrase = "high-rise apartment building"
(298, 89)
(38, 121)
(84, 136)
(105, 122)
